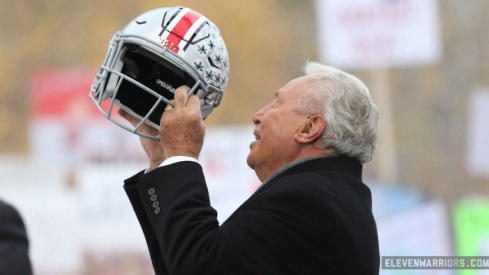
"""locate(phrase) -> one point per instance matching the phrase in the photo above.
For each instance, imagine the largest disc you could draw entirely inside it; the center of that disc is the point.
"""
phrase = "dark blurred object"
(14, 246)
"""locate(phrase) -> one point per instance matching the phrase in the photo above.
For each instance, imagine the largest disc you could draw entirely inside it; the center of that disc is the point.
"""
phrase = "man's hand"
(182, 128)
(153, 148)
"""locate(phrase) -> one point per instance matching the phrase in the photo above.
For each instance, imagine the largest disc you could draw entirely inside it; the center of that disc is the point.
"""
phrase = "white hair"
(352, 119)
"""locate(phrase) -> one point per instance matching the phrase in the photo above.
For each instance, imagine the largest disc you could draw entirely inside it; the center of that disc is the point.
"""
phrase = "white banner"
(357, 34)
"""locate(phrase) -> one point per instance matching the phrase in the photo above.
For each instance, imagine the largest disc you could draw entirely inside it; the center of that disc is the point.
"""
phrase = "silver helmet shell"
(152, 56)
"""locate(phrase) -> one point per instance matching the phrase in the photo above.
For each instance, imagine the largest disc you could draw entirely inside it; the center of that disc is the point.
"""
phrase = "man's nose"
(259, 114)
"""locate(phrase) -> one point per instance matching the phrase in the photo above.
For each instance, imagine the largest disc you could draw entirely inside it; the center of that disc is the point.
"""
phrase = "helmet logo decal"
(169, 21)
(218, 78)
(180, 29)
(169, 45)
(194, 35)
(211, 45)
(218, 59)
(209, 75)
(202, 50)
(199, 65)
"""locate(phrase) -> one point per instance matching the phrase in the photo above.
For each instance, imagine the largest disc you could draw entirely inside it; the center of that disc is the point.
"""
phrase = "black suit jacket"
(14, 256)
(313, 218)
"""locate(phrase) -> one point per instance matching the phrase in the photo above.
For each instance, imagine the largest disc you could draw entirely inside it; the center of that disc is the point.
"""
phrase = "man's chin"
(250, 161)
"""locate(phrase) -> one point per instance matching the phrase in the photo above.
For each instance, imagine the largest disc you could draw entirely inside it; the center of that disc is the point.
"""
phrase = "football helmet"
(155, 54)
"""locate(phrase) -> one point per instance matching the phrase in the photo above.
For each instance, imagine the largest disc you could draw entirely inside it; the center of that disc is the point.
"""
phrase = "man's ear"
(312, 130)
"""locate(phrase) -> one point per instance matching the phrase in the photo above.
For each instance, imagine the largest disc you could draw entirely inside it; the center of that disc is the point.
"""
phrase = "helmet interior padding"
(157, 74)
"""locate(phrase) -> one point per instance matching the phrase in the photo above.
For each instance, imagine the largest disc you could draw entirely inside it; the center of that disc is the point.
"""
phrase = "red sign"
(62, 92)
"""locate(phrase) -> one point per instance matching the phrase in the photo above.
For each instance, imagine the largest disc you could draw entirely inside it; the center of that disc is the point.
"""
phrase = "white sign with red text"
(356, 34)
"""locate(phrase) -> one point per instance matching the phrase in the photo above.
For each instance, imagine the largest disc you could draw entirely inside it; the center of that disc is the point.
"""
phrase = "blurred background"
(426, 63)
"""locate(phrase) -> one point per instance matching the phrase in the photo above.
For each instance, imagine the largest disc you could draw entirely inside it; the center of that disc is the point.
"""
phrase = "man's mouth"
(257, 137)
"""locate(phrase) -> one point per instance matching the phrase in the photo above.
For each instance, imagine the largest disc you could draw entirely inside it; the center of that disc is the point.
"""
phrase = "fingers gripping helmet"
(155, 54)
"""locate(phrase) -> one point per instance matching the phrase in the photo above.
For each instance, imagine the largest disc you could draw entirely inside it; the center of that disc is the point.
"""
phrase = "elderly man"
(311, 215)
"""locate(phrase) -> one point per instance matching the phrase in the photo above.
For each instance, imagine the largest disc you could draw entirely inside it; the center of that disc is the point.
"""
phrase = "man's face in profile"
(276, 124)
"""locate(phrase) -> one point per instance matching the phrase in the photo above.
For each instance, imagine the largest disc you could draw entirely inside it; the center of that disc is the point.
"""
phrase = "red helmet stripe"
(180, 29)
